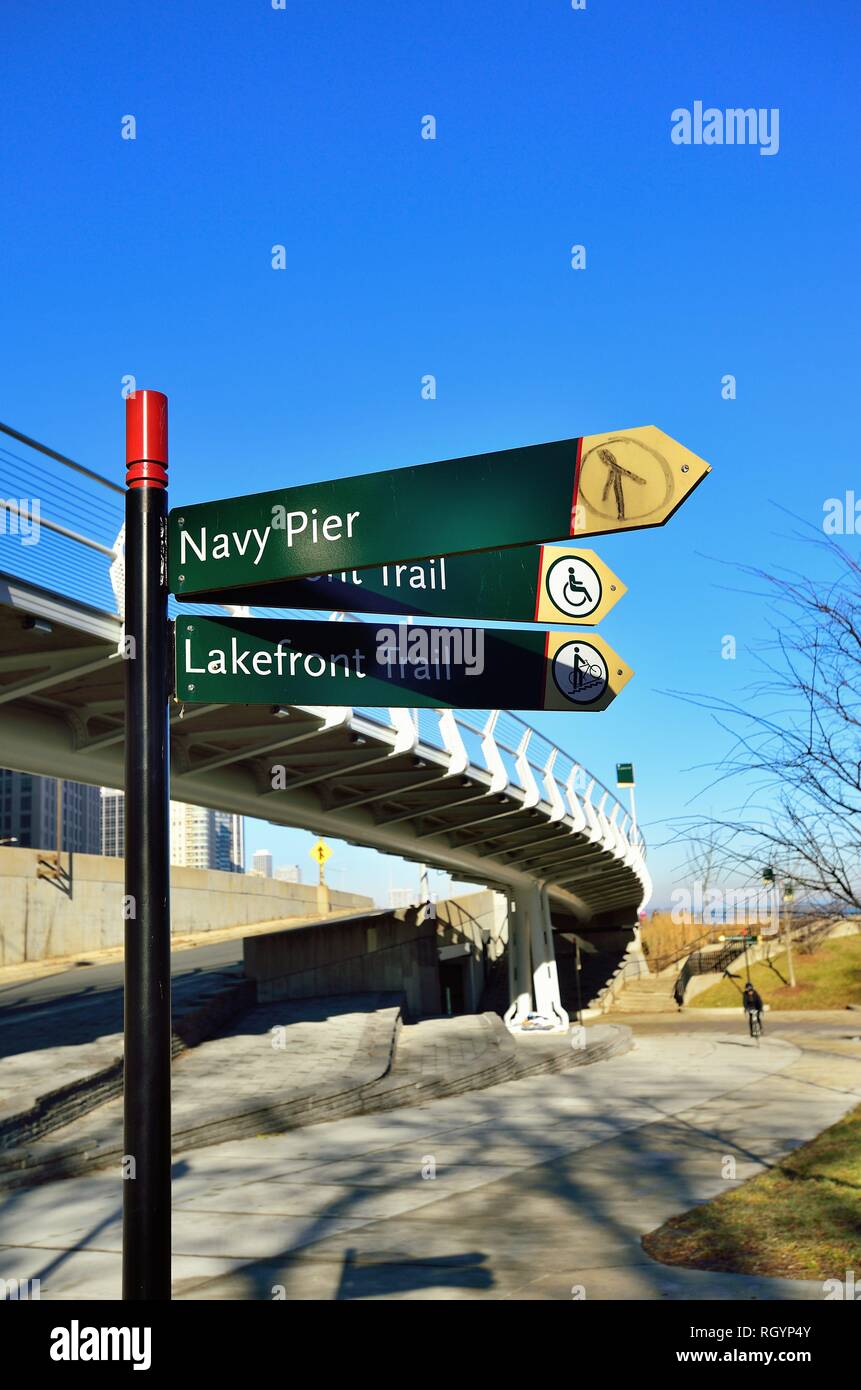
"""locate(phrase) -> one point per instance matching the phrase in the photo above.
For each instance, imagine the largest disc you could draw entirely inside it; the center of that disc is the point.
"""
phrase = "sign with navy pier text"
(545, 492)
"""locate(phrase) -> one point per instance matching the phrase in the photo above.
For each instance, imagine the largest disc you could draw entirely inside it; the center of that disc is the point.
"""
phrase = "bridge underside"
(369, 777)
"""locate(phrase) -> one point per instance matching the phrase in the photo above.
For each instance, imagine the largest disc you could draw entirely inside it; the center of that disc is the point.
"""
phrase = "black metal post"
(146, 1143)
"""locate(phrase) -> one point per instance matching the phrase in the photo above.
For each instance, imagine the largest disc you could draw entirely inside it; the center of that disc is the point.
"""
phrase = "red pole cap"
(146, 439)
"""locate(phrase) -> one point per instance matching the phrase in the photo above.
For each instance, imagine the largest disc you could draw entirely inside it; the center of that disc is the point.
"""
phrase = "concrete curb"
(722, 1012)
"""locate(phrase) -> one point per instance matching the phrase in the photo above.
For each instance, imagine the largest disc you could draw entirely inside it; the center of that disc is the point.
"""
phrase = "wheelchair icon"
(573, 586)
(573, 592)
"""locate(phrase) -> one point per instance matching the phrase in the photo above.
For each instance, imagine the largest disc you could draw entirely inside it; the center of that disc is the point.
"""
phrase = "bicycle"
(754, 1023)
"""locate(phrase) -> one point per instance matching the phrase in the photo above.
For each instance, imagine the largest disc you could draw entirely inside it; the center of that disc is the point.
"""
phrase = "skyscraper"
(237, 844)
(403, 897)
(113, 823)
(201, 838)
(227, 846)
(262, 863)
(28, 813)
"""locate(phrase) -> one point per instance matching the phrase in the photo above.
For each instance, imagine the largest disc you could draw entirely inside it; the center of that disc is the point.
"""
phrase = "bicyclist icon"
(573, 586)
(580, 672)
(586, 678)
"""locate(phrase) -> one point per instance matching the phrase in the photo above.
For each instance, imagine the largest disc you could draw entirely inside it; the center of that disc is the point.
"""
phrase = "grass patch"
(830, 978)
(800, 1220)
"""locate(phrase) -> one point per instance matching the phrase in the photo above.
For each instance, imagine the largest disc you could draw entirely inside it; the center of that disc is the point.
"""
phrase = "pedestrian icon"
(615, 475)
(631, 480)
(573, 585)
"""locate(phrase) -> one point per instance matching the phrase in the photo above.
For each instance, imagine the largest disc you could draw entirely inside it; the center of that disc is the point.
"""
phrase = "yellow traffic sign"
(632, 479)
(321, 852)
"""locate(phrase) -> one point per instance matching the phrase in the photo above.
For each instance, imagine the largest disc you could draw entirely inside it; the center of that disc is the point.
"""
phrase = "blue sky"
(452, 257)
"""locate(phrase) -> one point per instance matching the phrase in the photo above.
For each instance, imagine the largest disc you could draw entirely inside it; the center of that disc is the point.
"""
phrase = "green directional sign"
(542, 583)
(546, 492)
(270, 661)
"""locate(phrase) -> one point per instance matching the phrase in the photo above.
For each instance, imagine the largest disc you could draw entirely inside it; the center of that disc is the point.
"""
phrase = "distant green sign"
(269, 661)
(624, 774)
(525, 584)
(545, 492)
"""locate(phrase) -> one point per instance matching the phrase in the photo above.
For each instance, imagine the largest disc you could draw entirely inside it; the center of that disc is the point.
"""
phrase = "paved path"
(530, 1189)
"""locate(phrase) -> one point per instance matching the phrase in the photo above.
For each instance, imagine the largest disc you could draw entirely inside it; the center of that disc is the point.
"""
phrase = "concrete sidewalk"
(538, 1188)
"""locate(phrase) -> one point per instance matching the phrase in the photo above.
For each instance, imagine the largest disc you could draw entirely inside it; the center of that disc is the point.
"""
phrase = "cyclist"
(752, 1003)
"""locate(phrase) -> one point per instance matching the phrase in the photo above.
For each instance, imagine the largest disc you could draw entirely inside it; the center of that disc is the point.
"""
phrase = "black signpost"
(146, 1093)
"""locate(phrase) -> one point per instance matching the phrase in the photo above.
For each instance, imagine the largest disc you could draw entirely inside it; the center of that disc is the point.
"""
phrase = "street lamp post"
(770, 880)
(788, 894)
(625, 778)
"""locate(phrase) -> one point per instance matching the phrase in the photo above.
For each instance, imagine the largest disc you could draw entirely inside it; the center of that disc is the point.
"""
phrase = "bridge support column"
(519, 956)
(545, 983)
(554, 1007)
(533, 980)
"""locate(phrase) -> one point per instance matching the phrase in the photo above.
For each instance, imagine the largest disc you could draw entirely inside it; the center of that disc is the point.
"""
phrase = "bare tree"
(704, 853)
(795, 744)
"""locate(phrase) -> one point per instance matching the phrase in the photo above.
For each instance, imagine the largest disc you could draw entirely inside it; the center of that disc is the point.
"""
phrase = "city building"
(261, 863)
(289, 873)
(113, 809)
(403, 897)
(237, 844)
(28, 813)
(199, 838)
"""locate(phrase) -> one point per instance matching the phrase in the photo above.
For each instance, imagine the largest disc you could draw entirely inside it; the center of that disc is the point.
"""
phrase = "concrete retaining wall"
(385, 952)
(472, 928)
(84, 910)
(475, 917)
